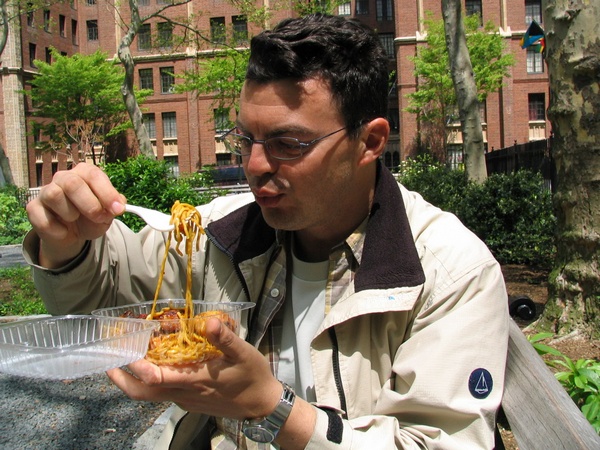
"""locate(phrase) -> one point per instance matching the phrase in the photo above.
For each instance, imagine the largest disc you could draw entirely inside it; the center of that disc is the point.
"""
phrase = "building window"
(240, 29)
(362, 7)
(165, 34)
(90, 2)
(47, 20)
(537, 107)
(223, 159)
(394, 118)
(62, 25)
(533, 11)
(74, 39)
(146, 79)
(48, 54)
(483, 111)
(92, 30)
(345, 9)
(385, 10)
(30, 15)
(144, 37)
(221, 116)
(149, 121)
(167, 80)
(387, 39)
(169, 120)
(473, 7)
(217, 30)
(32, 52)
(173, 163)
(535, 61)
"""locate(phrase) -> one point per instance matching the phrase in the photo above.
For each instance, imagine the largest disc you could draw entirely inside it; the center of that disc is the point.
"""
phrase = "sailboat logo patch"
(480, 383)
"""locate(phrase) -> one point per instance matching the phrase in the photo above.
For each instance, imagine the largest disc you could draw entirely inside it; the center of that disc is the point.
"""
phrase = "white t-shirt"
(302, 316)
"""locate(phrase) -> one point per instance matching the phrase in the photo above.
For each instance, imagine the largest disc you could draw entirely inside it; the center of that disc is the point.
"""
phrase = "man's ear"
(374, 137)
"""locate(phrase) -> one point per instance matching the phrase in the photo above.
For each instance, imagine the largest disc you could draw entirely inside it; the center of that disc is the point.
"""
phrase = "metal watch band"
(266, 430)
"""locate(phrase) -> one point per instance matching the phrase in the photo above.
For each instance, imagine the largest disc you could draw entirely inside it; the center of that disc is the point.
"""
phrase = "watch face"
(259, 434)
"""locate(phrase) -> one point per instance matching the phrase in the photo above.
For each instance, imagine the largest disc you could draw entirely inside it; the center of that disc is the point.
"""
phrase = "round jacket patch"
(480, 383)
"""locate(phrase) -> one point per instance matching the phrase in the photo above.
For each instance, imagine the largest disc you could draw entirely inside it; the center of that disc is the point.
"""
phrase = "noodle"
(187, 344)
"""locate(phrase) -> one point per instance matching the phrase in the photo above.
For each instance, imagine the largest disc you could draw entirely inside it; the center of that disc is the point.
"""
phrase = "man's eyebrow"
(282, 131)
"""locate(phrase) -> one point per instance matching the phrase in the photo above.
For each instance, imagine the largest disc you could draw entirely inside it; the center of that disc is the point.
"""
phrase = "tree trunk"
(466, 91)
(573, 57)
(7, 178)
(133, 108)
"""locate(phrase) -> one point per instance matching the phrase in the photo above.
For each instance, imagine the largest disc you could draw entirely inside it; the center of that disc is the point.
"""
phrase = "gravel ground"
(82, 414)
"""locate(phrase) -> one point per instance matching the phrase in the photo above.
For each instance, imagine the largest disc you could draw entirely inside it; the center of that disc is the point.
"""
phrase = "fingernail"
(117, 208)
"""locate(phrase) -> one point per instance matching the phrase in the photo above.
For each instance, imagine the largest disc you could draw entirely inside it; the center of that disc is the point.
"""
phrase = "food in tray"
(182, 339)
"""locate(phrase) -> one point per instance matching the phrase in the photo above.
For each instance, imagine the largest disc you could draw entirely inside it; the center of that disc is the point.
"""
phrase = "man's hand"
(78, 205)
(237, 385)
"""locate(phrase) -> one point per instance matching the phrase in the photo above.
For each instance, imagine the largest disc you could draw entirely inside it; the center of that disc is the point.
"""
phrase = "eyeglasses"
(280, 147)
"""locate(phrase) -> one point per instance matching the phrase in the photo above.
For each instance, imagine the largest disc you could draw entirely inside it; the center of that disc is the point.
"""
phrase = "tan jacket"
(412, 355)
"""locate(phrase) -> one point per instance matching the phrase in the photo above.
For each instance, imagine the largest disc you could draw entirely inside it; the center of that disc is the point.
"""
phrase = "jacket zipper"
(337, 374)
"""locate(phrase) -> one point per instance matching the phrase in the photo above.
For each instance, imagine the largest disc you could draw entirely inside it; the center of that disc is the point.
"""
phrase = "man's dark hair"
(344, 52)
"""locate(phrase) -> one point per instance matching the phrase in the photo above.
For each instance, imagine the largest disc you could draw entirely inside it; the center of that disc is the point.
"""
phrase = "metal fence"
(535, 156)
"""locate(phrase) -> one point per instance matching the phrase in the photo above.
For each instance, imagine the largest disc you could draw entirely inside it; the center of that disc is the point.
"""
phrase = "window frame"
(167, 79)
(169, 125)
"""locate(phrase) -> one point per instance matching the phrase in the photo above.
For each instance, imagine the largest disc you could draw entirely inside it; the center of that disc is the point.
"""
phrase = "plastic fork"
(155, 219)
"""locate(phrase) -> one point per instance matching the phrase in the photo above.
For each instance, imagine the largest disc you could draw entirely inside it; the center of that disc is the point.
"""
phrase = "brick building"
(183, 126)
(514, 114)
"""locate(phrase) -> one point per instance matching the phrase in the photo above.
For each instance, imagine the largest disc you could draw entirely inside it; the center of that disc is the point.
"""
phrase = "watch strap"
(265, 430)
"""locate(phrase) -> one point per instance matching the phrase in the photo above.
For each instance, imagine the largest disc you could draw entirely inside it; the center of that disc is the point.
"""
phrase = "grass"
(18, 295)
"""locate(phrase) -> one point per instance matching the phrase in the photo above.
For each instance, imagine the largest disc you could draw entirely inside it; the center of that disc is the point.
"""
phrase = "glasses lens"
(284, 147)
(238, 144)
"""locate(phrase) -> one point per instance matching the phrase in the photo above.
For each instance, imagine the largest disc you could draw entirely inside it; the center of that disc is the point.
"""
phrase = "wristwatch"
(265, 430)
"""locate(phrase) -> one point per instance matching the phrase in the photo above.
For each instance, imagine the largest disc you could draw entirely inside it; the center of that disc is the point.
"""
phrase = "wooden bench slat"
(540, 412)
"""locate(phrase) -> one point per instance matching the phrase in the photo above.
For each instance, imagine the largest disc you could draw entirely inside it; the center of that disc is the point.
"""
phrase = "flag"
(534, 37)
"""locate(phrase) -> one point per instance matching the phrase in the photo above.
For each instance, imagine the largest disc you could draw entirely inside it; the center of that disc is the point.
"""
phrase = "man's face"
(310, 192)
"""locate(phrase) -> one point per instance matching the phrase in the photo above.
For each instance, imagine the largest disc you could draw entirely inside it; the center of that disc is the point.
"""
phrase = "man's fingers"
(135, 388)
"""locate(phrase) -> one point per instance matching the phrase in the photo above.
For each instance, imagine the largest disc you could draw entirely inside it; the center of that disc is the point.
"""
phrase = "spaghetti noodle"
(181, 339)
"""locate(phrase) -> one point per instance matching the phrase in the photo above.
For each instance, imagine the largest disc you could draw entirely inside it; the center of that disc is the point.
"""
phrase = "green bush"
(438, 184)
(511, 213)
(151, 183)
(13, 217)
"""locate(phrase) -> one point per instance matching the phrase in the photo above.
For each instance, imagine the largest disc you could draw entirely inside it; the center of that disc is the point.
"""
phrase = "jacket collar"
(389, 258)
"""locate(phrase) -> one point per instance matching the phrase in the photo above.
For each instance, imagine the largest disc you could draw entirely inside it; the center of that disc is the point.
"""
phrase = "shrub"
(13, 217)
(438, 184)
(151, 183)
(511, 213)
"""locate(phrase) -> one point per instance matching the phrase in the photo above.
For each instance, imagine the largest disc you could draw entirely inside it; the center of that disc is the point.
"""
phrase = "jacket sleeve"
(447, 377)
(118, 269)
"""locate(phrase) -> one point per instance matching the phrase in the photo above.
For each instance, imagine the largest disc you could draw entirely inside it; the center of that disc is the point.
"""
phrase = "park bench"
(540, 413)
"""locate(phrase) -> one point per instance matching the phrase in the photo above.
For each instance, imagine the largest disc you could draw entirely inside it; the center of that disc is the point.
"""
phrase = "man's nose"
(259, 162)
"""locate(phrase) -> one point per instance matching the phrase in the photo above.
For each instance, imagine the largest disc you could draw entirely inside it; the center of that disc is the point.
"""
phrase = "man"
(384, 314)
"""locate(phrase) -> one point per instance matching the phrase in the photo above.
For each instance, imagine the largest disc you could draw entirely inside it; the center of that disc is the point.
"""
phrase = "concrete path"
(10, 255)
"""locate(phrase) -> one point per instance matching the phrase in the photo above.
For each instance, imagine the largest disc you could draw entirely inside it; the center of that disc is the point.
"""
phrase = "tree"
(78, 97)
(435, 99)
(573, 58)
(465, 90)
(127, 86)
